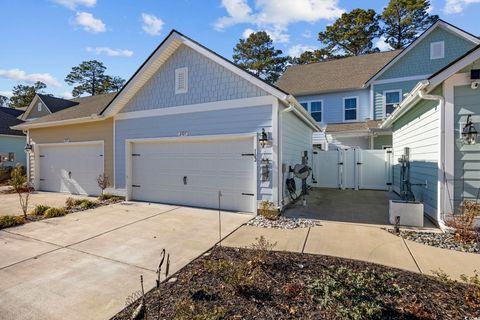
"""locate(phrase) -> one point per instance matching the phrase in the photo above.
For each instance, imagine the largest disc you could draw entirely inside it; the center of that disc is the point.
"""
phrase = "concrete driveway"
(11, 206)
(84, 265)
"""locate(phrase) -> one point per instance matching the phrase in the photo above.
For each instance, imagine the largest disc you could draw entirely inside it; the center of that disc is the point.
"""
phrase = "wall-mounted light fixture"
(263, 139)
(28, 147)
(469, 133)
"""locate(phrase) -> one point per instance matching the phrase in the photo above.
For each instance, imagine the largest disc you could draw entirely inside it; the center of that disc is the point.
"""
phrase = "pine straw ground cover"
(259, 284)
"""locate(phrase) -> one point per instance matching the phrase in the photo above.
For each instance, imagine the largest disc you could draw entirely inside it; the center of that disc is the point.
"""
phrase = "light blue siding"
(15, 144)
(418, 130)
(417, 61)
(333, 104)
(378, 89)
(207, 82)
(219, 122)
(296, 138)
(467, 157)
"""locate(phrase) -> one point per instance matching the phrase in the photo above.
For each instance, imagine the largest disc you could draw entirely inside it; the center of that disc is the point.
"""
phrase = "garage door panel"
(71, 169)
(158, 170)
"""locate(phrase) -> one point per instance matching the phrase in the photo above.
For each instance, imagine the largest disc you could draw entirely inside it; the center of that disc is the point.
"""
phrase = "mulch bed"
(282, 289)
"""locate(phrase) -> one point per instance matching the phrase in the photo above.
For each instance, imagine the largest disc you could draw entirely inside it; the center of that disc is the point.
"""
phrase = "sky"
(43, 39)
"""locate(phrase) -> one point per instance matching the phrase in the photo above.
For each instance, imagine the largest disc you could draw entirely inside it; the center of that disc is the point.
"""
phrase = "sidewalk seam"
(413, 257)
(306, 238)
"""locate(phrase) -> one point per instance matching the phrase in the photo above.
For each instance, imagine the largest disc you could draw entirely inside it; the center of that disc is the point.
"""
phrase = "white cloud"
(7, 94)
(72, 4)
(151, 24)
(274, 16)
(307, 34)
(298, 49)
(247, 33)
(89, 22)
(67, 95)
(111, 52)
(382, 45)
(20, 75)
(276, 35)
(457, 6)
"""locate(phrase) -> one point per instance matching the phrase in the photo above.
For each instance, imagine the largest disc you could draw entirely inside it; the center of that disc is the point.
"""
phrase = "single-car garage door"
(70, 167)
(191, 172)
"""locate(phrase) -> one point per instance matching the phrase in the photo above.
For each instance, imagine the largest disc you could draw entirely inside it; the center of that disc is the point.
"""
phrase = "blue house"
(350, 97)
(12, 142)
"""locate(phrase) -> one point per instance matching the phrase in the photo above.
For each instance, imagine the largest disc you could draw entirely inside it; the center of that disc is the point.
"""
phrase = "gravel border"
(282, 223)
(440, 240)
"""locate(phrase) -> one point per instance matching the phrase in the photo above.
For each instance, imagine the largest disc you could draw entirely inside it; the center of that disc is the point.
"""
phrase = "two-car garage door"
(191, 172)
(70, 167)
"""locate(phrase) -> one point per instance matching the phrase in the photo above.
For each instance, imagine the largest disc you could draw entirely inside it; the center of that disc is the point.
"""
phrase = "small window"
(350, 108)
(392, 99)
(316, 110)
(181, 80)
(39, 106)
(437, 50)
(304, 105)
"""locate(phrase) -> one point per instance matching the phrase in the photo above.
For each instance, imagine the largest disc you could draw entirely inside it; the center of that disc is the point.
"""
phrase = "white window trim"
(356, 114)
(384, 103)
(177, 72)
(432, 44)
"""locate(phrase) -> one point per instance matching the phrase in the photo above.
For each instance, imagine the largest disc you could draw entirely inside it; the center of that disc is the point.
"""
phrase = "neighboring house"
(429, 122)
(43, 105)
(12, 142)
(188, 125)
(346, 95)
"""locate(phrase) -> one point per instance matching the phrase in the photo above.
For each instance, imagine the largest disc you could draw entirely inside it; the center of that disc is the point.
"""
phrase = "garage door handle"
(185, 180)
(340, 163)
(359, 163)
(135, 186)
(247, 194)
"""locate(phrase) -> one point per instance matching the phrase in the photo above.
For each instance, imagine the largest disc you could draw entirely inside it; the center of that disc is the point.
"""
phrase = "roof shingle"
(7, 121)
(334, 75)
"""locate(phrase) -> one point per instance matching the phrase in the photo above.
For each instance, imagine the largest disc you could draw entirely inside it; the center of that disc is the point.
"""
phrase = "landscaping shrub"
(110, 197)
(190, 310)
(70, 202)
(293, 289)
(10, 221)
(87, 204)
(54, 212)
(260, 250)
(39, 210)
(472, 295)
(268, 210)
(355, 294)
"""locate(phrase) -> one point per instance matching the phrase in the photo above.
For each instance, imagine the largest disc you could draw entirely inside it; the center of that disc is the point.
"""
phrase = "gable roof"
(12, 111)
(437, 24)
(52, 103)
(333, 75)
(6, 121)
(161, 54)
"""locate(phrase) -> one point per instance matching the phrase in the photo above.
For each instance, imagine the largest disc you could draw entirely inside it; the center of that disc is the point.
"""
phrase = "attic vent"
(437, 50)
(181, 80)
(39, 106)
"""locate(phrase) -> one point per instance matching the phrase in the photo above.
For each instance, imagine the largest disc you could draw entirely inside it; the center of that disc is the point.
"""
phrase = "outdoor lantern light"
(469, 133)
(263, 138)
(28, 147)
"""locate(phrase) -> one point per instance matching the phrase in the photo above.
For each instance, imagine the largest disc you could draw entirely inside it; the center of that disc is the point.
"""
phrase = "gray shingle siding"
(207, 82)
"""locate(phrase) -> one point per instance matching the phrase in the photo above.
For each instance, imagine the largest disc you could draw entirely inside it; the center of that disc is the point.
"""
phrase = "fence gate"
(352, 169)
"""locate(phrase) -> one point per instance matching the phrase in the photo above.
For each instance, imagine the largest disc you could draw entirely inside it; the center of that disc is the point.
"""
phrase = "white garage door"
(71, 168)
(192, 172)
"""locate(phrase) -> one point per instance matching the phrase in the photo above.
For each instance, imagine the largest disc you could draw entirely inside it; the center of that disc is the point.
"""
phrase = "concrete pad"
(454, 263)
(360, 242)
(66, 284)
(11, 205)
(83, 225)
(185, 233)
(15, 248)
(287, 240)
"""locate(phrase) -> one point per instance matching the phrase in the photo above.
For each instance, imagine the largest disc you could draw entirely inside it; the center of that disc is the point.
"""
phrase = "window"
(181, 80)
(316, 110)
(437, 50)
(350, 108)
(391, 100)
(304, 105)
(39, 106)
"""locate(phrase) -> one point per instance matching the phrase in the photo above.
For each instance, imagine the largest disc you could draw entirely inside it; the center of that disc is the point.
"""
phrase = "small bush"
(444, 278)
(10, 221)
(189, 310)
(268, 210)
(293, 289)
(39, 210)
(240, 277)
(70, 202)
(83, 204)
(464, 223)
(54, 212)
(87, 204)
(110, 197)
(472, 295)
(261, 248)
(355, 294)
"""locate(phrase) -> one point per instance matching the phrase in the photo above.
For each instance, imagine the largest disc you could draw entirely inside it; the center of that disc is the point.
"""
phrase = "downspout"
(280, 142)
(441, 180)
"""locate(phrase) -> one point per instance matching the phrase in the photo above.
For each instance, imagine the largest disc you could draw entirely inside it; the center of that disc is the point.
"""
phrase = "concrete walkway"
(84, 265)
(362, 242)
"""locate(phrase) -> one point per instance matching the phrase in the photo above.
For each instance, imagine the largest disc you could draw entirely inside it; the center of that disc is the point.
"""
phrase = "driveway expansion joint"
(413, 257)
(306, 239)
